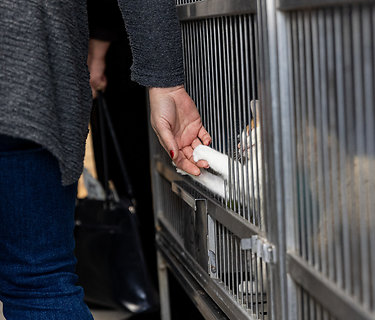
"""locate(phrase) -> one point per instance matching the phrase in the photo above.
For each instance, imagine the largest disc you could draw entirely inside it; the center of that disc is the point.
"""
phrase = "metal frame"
(312, 4)
(323, 290)
(202, 300)
(193, 276)
(236, 224)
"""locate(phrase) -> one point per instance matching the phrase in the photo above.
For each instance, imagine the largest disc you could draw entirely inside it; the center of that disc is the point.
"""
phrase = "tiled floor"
(107, 315)
(1, 312)
(98, 314)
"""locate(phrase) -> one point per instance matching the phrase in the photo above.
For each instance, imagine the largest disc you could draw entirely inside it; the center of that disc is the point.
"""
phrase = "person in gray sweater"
(45, 107)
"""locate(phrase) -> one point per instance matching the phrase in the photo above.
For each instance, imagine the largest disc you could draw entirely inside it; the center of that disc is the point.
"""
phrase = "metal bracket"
(212, 264)
(261, 247)
(211, 246)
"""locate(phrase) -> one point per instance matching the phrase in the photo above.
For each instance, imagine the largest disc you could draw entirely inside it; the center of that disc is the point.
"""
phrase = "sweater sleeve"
(155, 39)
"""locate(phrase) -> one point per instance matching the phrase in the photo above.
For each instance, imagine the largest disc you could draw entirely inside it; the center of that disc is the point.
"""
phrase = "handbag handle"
(104, 115)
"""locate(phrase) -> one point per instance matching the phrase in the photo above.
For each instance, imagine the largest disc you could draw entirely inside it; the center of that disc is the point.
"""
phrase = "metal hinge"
(261, 247)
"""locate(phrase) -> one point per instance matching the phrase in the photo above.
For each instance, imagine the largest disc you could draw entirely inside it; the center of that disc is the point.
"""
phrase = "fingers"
(93, 92)
(196, 142)
(183, 158)
(203, 164)
(204, 136)
(188, 152)
(97, 83)
(183, 163)
(168, 141)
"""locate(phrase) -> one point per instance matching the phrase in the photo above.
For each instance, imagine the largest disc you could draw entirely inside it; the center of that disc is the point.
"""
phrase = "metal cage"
(287, 91)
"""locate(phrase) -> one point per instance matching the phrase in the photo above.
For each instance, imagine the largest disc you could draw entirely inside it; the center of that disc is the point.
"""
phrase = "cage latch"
(261, 247)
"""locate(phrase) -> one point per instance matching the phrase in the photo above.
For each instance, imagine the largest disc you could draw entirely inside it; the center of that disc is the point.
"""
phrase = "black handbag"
(110, 262)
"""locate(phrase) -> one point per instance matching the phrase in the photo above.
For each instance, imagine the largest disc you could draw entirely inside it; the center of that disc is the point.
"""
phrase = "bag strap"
(104, 115)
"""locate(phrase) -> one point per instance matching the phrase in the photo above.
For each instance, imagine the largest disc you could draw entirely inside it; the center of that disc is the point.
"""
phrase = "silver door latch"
(261, 247)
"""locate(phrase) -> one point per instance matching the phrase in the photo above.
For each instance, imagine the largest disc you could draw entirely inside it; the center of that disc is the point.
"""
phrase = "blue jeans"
(37, 263)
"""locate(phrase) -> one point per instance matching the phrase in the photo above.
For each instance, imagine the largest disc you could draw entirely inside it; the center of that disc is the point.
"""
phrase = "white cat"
(244, 179)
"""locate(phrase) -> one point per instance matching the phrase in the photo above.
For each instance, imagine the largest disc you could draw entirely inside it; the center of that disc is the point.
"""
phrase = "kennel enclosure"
(286, 89)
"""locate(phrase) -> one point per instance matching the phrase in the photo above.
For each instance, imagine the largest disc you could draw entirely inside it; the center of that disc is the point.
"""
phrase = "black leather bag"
(110, 262)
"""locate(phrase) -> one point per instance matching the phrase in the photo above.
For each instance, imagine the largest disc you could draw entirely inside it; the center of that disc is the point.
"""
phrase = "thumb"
(168, 142)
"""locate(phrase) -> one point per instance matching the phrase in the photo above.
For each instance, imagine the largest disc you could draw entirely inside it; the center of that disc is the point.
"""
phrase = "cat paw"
(200, 152)
(181, 172)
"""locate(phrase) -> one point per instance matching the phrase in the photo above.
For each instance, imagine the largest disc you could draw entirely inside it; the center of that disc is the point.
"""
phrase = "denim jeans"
(37, 263)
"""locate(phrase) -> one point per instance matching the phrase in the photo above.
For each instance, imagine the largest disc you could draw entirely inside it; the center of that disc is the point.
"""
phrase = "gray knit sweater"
(44, 82)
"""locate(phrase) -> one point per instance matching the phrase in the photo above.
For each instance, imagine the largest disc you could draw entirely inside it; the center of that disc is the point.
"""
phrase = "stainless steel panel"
(318, 289)
(332, 156)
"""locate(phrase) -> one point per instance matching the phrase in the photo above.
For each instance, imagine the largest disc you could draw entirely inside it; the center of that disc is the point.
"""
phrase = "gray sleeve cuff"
(155, 39)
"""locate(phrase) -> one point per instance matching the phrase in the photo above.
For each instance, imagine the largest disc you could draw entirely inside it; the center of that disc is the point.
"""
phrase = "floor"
(1, 312)
(107, 315)
(98, 314)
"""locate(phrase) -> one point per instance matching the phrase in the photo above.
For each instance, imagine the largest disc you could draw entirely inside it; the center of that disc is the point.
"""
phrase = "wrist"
(98, 49)
(156, 90)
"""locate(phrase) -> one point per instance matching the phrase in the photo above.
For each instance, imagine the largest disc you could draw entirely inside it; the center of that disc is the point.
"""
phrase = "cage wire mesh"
(174, 211)
(332, 64)
(181, 2)
(220, 58)
(310, 309)
(242, 273)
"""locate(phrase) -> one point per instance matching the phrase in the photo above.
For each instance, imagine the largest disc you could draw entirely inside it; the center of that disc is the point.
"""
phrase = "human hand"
(96, 64)
(177, 123)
